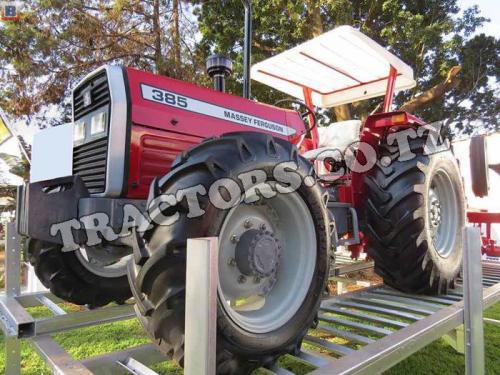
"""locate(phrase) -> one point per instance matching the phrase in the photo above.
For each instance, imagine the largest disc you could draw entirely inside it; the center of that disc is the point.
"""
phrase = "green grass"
(437, 358)
(87, 342)
(440, 358)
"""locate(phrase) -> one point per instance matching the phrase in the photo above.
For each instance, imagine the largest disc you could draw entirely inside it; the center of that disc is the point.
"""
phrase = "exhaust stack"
(247, 58)
(218, 68)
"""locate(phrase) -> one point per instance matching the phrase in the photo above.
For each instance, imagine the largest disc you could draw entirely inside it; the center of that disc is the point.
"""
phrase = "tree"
(57, 42)
(15, 166)
(474, 105)
(456, 73)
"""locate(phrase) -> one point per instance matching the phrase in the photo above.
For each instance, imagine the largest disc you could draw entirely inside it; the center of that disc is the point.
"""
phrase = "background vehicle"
(138, 136)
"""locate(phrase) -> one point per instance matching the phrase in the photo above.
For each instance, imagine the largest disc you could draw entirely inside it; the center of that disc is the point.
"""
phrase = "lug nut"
(263, 227)
(234, 238)
(248, 224)
(242, 279)
(231, 262)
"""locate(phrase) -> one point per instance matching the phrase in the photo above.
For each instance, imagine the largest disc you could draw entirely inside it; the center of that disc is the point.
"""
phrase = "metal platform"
(379, 327)
(363, 332)
(345, 264)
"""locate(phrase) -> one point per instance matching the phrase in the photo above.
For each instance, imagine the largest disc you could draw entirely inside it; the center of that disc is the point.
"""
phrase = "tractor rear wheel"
(273, 253)
(93, 276)
(479, 168)
(415, 213)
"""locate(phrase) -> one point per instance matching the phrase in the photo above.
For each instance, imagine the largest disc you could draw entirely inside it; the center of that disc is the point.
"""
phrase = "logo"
(10, 10)
(87, 98)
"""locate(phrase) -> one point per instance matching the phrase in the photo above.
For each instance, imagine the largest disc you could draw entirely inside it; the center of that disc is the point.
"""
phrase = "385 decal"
(169, 98)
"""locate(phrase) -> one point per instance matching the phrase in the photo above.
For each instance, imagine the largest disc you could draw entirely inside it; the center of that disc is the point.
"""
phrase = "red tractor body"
(169, 116)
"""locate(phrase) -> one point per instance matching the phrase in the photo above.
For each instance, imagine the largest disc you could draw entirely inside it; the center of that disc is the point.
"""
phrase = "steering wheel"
(308, 111)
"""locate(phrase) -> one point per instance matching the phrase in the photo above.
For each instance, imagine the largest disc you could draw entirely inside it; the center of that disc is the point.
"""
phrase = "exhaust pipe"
(247, 58)
(218, 68)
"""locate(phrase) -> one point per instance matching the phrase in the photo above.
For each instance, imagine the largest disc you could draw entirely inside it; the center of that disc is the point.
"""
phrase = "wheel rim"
(266, 299)
(443, 213)
(105, 260)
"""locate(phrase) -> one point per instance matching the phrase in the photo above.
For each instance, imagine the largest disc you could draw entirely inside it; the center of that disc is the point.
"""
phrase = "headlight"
(98, 124)
(79, 131)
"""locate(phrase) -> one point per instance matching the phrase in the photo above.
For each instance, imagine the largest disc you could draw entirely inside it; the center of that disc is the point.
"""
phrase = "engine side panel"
(152, 152)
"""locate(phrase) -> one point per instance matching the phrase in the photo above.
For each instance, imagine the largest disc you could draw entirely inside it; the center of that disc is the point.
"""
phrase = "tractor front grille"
(89, 162)
(90, 157)
(99, 92)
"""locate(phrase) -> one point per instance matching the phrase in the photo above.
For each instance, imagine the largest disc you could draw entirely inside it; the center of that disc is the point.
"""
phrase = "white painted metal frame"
(17, 324)
(473, 302)
(201, 320)
(200, 337)
(12, 289)
(431, 318)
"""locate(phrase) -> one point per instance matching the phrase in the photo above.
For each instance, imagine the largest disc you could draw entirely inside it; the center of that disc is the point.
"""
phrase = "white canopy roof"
(340, 66)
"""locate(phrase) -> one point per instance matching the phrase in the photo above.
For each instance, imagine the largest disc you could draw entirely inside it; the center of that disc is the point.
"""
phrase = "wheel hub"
(257, 253)
(104, 260)
(266, 261)
(434, 209)
(443, 213)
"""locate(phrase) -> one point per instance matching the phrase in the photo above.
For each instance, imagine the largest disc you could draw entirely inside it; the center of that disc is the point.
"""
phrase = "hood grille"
(99, 93)
(90, 158)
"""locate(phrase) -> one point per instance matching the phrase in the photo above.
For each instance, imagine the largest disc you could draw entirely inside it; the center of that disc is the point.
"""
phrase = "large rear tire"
(479, 168)
(254, 327)
(77, 278)
(414, 216)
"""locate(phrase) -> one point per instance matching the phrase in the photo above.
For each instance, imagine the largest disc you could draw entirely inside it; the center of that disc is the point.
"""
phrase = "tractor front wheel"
(273, 252)
(93, 276)
(414, 216)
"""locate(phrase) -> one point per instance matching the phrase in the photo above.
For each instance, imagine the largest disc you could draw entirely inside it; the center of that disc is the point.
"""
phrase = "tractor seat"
(339, 134)
(336, 136)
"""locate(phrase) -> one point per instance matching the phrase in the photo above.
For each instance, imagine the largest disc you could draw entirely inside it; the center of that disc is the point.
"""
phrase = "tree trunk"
(159, 59)
(314, 12)
(433, 93)
(176, 37)
(342, 112)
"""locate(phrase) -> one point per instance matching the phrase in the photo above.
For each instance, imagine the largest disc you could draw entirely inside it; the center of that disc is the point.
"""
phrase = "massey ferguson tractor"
(279, 191)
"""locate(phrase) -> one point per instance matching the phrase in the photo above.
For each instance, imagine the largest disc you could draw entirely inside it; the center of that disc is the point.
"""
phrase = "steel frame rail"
(364, 332)
(344, 264)
(18, 324)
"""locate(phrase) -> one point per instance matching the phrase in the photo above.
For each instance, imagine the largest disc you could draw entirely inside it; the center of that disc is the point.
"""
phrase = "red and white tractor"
(182, 161)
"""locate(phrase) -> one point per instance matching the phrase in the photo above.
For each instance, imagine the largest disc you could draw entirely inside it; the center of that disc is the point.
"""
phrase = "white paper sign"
(52, 153)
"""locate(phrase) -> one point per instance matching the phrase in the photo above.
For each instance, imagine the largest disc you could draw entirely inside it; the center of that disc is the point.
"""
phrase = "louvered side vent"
(90, 158)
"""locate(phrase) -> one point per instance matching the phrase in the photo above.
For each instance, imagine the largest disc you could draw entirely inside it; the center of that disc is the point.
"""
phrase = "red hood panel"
(168, 104)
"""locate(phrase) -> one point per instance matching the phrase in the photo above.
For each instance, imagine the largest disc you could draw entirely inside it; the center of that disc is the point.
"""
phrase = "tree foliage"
(57, 42)
(8, 192)
(456, 72)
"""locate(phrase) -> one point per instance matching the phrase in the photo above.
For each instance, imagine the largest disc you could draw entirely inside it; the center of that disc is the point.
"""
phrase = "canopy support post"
(309, 102)
(389, 93)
